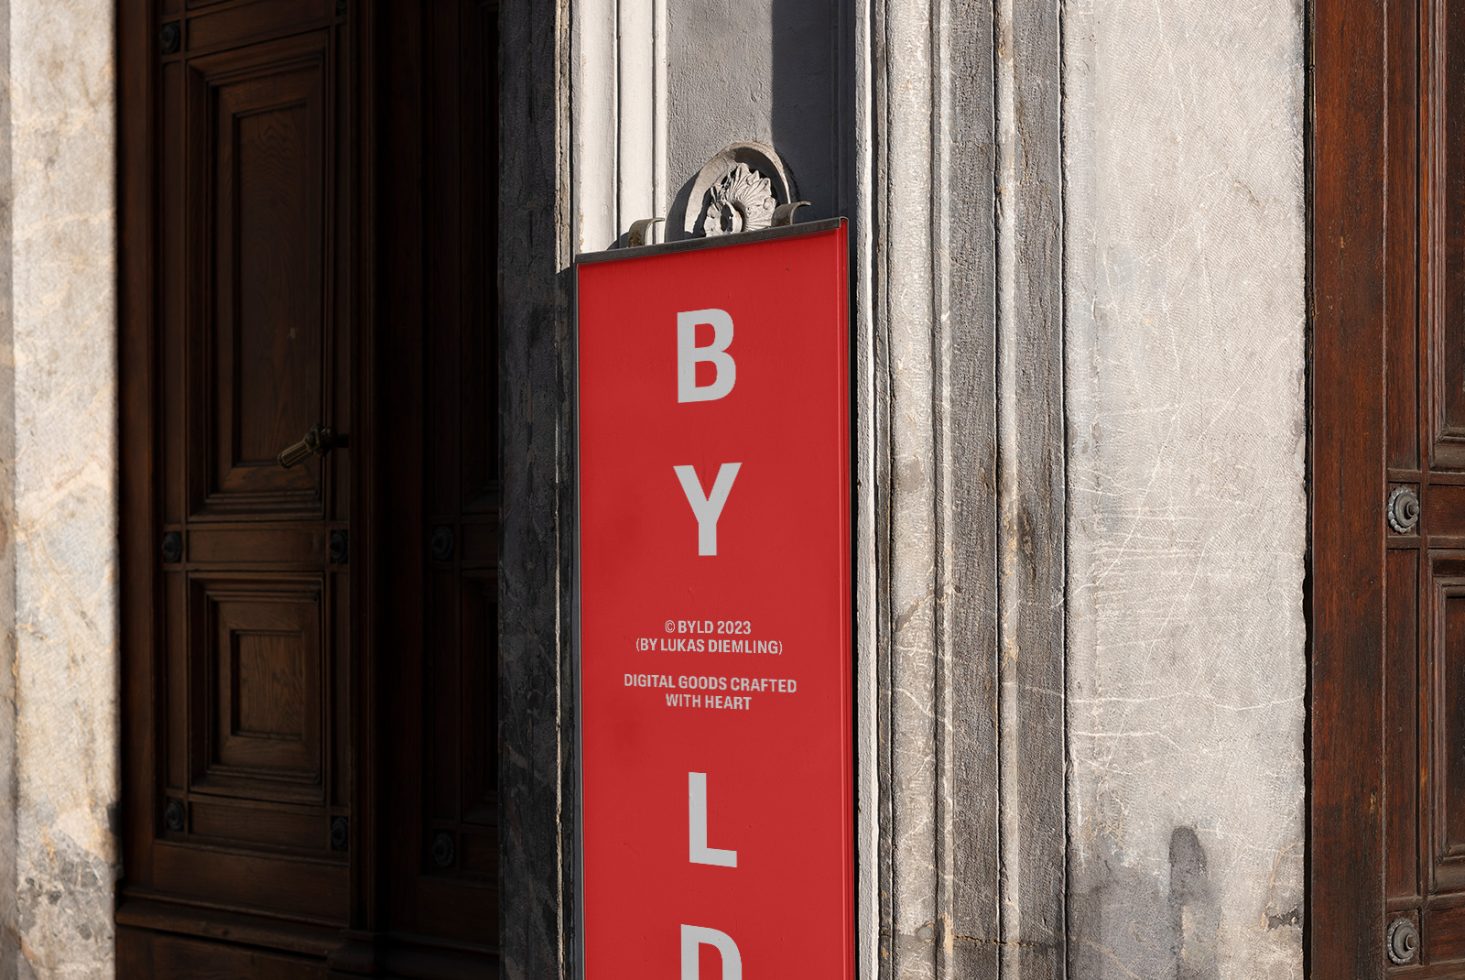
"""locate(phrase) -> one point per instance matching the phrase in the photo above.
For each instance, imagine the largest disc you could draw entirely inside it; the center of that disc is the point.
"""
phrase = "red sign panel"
(714, 603)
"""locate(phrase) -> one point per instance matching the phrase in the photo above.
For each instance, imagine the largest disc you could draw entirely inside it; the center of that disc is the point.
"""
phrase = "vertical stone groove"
(1031, 488)
(10, 934)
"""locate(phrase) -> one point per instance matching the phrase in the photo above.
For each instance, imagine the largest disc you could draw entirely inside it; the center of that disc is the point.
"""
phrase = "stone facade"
(1079, 343)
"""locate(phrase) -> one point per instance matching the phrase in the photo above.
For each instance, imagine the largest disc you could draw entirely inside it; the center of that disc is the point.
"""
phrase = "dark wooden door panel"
(260, 237)
(1401, 736)
(281, 885)
(258, 663)
(1370, 433)
(1443, 929)
(215, 25)
(1445, 199)
(479, 765)
(1444, 716)
(443, 547)
(140, 954)
(255, 643)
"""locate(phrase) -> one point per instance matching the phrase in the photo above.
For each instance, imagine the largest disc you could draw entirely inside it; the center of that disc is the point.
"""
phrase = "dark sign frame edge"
(717, 241)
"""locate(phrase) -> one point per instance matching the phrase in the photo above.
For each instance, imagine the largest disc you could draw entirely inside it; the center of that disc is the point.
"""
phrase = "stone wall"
(771, 71)
(1186, 408)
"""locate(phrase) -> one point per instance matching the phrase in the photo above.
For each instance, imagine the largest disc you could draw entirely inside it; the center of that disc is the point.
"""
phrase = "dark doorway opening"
(308, 214)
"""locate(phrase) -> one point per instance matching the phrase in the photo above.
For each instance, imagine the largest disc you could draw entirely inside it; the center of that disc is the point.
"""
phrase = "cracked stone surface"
(1185, 335)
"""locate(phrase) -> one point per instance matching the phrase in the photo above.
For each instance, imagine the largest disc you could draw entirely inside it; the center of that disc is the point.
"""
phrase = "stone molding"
(966, 193)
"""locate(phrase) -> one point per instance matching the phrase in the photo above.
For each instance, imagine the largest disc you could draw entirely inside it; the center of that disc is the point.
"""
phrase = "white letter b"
(689, 355)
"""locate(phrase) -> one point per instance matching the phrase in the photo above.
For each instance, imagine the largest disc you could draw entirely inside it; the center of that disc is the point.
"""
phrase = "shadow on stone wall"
(1165, 932)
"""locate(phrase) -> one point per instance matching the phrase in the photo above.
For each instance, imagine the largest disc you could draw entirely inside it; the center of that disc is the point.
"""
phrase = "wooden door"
(1423, 577)
(240, 340)
(1388, 795)
(310, 671)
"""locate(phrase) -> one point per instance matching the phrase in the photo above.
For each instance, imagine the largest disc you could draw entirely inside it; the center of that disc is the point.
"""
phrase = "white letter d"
(694, 938)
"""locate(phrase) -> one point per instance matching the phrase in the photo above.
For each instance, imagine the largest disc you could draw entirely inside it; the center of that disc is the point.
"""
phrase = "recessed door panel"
(1445, 716)
(1446, 199)
(263, 255)
(258, 663)
(1401, 737)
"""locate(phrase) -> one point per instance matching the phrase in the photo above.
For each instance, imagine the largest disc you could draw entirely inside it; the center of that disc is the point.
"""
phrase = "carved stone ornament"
(738, 190)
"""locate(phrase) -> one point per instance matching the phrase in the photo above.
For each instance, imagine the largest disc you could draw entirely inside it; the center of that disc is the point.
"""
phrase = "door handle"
(317, 442)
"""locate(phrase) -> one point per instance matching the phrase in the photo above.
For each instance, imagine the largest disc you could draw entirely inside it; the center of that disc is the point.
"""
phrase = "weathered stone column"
(58, 496)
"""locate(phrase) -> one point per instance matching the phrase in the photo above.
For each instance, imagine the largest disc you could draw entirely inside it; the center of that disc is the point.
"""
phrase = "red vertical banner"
(714, 599)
